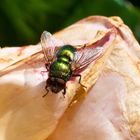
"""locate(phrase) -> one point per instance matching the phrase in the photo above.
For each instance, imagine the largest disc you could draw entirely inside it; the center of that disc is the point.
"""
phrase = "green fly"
(64, 61)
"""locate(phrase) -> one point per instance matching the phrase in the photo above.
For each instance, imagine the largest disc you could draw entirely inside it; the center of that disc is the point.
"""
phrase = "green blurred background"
(22, 21)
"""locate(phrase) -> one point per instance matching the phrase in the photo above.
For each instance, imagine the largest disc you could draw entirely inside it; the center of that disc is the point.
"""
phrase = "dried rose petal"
(110, 110)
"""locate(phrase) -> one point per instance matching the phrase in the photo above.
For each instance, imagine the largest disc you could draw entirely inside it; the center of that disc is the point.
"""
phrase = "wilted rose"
(110, 111)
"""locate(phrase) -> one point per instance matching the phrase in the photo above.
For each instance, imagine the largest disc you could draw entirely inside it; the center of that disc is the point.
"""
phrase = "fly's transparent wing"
(85, 56)
(49, 45)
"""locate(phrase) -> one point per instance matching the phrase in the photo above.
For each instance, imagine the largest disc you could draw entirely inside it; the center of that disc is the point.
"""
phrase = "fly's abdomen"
(60, 69)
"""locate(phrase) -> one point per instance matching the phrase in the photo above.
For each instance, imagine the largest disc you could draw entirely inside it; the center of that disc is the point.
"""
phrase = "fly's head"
(56, 84)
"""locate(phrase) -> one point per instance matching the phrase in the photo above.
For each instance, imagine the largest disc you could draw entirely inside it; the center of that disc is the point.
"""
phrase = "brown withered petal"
(109, 111)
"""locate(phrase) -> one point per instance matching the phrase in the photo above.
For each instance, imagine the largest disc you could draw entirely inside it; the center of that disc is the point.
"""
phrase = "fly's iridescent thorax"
(66, 52)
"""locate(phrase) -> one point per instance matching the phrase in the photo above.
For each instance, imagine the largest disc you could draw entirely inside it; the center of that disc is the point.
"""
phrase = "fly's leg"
(47, 69)
(80, 92)
(46, 92)
(64, 92)
(47, 66)
(78, 75)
